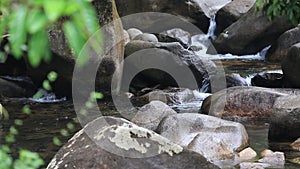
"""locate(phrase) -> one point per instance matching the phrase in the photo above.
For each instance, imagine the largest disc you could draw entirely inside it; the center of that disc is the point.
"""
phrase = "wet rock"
(190, 11)
(211, 137)
(231, 13)
(296, 145)
(269, 80)
(170, 59)
(168, 96)
(146, 37)
(110, 142)
(285, 117)
(290, 66)
(133, 32)
(181, 36)
(150, 115)
(242, 103)
(247, 154)
(10, 89)
(63, 61)
(232, 80)
(252, 165)
(274, 159)
(251, 33)
(279, 50)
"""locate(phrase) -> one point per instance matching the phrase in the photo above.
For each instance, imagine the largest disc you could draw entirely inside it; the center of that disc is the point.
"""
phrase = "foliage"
(27, 22)
(275, 8)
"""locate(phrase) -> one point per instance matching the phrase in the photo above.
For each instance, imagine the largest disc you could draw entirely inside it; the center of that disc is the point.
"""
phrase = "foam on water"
(48, 98)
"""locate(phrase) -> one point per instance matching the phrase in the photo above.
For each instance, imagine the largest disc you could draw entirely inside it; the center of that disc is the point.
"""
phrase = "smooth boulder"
(251, 33)
(291, 66)
(214, 138)
(110, 142)
(285, 120)
(239, 103)
(150, 115)
(279, 50)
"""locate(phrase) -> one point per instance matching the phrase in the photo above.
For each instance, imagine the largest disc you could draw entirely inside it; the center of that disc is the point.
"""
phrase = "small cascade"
(212, 28)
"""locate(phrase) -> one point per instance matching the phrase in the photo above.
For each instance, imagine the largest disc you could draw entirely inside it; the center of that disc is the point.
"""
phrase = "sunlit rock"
(214, 138)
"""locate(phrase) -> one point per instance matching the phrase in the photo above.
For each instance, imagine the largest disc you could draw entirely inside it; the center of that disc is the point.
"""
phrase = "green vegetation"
(26, 22)
(275, 8)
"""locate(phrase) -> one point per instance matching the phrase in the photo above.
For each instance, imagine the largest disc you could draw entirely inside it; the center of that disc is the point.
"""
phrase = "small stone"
(266, 152)
(133, 32)
(275, 159)
(146, 37)
(247, 154)
(252, 165)
(296, 145)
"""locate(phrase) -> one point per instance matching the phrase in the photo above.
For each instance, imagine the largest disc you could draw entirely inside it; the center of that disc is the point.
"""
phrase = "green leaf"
(10, 138)
(36, 21)
(18, 122)
(13, 130)
(75, 38)
(26, 109)
(64, 132)
(38, 95)
(56, 141)
(54, 9)
(3, 26)
(47, 85)
(17, 30)
(70, 126)
(38, 45)
(52, 76)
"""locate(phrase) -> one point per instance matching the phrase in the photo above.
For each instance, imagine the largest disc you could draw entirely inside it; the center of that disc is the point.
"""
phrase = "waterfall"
(212, 27)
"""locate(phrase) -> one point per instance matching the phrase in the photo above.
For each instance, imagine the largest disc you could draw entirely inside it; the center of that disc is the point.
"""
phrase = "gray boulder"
(170, 59)
(150, 115)
(242, 103)
(279, 50)
(214, 138)
(285, 121)
(109, 142)
(231, 13)
(251, 33)
(133, 32)
(291, 67)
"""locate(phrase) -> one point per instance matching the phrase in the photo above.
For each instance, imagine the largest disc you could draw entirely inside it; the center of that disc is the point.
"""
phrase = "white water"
(47, 98)
(211, 7)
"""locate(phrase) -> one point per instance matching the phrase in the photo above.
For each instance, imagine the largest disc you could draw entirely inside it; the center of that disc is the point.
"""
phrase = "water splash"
(47, 98)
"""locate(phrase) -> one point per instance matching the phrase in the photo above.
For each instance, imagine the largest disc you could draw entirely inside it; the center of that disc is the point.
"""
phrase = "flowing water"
(50, 115)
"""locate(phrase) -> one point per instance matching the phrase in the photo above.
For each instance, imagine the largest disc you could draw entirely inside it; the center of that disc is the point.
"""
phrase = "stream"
(50, 114)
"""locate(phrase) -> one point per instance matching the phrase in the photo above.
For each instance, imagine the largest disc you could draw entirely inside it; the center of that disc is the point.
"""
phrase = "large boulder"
(196, 12)
(63, 61)
(291, 66)
(251, 33)
(16, 87)
(279, 50)
(166, 59)
(109, 142)
(285, 121)
(188, 10)
(214, 138)
(231, 13)
(238, 103)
